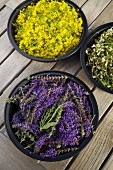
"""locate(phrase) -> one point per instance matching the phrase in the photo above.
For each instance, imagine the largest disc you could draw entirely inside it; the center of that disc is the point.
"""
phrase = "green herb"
(100, 59)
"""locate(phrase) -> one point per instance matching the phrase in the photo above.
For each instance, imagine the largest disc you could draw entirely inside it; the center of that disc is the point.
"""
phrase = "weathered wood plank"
(96, 151)
(109, 163)
(78, 2)
(82, 75)
(93, 8)
(4, 15)
(11, 158)
(56, 165)
(89, 149)
(63, 164)
(104, 100)
(5, 46)
(3, 131)
(10, 68)
(13, 3)
(32, 68)
(64, 62)
(97, 4)
(2, 3)
(105, 17)
(71, 69)
(70, 65)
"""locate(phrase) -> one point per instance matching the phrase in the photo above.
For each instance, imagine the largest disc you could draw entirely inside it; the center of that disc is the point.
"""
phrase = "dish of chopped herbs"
(54, 115)
(48, 28)
(100, 59)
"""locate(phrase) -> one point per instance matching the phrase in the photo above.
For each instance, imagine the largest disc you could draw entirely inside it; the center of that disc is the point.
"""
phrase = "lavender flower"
(54, 115)
(41, 141)
(50, 153)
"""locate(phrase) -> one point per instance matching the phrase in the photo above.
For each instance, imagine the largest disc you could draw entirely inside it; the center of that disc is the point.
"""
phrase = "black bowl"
(10, 109)
(84, 58)
(10, 30)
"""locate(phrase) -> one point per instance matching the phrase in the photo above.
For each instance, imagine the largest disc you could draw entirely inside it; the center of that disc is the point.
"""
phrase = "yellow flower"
(48, 28)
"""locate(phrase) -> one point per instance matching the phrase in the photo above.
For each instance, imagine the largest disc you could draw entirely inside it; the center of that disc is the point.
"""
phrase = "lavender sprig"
(54, 115)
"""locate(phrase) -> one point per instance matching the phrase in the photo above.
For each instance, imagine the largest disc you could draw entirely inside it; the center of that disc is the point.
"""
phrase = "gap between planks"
(4, 16)
(103, 17)
(7, 82)
(53, 165)
(109, 163)
(65, 162)
(99, 147)
(2, 3)
(11, 158)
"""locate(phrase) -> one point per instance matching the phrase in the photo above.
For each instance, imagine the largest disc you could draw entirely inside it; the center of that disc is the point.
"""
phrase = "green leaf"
(48, 125)
(54, 114)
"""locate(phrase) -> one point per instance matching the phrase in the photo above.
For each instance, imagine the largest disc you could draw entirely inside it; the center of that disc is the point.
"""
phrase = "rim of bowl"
(83, 57)
(65, 155)
(68, 54)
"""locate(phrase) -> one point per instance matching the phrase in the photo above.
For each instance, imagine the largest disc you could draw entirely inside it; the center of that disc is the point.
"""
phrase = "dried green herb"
(100, 58)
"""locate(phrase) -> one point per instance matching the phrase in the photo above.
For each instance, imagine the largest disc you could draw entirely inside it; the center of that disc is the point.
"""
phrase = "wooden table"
(14, 67)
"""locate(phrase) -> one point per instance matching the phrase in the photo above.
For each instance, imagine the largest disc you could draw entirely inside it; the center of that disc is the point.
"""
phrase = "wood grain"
(47, 165)
(103, 99)
(105, 17)
(13, 3)
(57, 165)
(70, 65)
(32, 68)
(102, 109)
(10, 68)
(82, 75)
(96, 151)
(2, 3)
(3, 131)
(99, 147)
(4, 15)
(93, 8)
(12, 159)
(5, 47)
(85, 8)
(109, 163)
(79, 3)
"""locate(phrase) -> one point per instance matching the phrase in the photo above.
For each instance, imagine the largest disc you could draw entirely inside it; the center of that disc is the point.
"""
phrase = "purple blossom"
(34, 129)
(55, 110)
(41, 141)
(24, 127)
(50, 153)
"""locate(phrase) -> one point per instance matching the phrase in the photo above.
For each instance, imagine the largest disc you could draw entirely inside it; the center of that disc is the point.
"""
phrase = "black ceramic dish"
(10, 30)
(83, 56)
(10, 109)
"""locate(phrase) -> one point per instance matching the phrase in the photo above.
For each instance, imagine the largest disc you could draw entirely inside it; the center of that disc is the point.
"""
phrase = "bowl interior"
(11, 32)
(84, 58)
(10, 109)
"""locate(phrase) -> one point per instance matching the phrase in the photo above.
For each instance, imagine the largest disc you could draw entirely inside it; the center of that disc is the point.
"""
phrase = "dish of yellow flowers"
(47, 30)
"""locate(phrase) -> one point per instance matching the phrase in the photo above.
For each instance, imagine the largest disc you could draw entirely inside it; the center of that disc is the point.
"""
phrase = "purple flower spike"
(54, 116)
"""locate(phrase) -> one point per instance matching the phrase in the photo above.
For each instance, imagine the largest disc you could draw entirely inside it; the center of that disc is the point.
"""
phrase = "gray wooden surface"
(14, 67)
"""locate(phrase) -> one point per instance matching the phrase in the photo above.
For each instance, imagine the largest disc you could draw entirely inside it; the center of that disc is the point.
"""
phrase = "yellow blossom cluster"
(48, 28)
